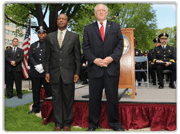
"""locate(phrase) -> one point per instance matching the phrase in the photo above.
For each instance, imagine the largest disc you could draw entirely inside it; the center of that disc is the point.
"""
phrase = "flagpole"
(28, 57)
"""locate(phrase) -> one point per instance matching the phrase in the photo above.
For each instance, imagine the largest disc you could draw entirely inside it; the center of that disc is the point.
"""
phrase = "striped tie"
(60, 39)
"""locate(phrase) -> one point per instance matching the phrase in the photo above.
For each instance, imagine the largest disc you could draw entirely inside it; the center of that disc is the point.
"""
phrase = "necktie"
(60, 39)
(102, 31)
(14, 53)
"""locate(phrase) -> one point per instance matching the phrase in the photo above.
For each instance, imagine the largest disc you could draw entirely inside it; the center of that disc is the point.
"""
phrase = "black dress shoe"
(120, 129)
(91, 129)
(172, 86)
(19, 97)
(161, 87)
(32, 111)
(9, 97)
(154, 83)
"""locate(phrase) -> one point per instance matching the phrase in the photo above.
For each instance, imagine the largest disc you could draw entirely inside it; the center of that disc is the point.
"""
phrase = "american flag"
(26, 47)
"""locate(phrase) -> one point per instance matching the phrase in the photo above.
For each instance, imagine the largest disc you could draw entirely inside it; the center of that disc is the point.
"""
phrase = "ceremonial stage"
(152, 107)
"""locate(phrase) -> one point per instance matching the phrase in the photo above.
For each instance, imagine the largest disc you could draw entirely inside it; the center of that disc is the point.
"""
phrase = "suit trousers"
(36, 86)
(159, 70)
(62, 100)
(96, 85)
(11, 77)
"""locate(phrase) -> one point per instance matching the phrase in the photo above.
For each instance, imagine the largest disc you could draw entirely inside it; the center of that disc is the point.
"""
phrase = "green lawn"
(17, 119)
(15, 93)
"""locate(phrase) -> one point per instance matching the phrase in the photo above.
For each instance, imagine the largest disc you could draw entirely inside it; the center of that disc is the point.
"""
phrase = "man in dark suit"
(164, 58)
(103, 47)
(62, 69)
(14, 57)
(36, 59)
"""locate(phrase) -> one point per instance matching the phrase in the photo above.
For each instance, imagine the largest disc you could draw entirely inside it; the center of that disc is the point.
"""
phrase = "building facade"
(9, 35)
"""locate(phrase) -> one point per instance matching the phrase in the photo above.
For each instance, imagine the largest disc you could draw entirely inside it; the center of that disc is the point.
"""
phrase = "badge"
(169, 50)
(18, 55)
(158, 51)
(34, 48)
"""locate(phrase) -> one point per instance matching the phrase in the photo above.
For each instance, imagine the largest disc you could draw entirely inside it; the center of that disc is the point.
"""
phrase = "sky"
(165, 16)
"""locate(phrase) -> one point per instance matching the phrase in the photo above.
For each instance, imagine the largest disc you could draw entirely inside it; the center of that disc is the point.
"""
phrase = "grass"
(17, 119)
(15, 93)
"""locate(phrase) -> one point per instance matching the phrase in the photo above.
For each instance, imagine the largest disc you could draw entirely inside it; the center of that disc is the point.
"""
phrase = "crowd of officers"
(162, 57)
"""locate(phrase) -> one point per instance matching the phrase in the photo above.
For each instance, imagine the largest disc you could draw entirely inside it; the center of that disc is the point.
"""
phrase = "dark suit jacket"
(94, 47)
(18, 57)
(37, 56)
(64, 61)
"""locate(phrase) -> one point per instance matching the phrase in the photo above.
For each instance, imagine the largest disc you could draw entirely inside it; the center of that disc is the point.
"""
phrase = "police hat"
(156, 40)
(163, 35)
(41, 29)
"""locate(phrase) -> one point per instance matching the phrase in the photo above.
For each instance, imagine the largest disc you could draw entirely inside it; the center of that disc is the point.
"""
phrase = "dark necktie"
(14, 53)
(102, 31)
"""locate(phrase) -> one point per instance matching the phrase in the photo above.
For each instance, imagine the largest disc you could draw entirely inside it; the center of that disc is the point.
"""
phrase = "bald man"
(62, 69)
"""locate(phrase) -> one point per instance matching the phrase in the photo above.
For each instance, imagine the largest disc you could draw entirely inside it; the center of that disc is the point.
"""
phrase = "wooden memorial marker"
(127, 61)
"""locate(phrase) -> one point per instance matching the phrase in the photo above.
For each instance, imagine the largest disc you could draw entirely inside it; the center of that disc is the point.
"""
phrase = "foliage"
(19, 13)
(139, 16)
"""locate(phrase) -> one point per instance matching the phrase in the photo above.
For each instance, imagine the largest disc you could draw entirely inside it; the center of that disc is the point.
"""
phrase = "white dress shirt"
(64, 33)
(163, 46)
(13, 49)
(104, 24)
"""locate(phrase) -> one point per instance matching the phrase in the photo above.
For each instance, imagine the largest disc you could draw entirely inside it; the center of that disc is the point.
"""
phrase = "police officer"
(138, 66)
(150, 59)
(36, 59)
(165, 58)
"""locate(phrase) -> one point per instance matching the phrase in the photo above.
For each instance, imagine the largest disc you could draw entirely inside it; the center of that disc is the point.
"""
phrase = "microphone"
(116, 14)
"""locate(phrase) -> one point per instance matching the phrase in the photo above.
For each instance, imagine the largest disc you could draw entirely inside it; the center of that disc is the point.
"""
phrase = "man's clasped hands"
(103, 62)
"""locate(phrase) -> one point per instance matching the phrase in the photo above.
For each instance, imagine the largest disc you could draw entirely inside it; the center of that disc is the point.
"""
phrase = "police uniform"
(138, 66)
(151, 65)
(166, 54)
(36, 57)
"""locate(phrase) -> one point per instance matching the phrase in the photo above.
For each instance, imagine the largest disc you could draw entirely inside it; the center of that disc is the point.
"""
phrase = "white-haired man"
(103, 47)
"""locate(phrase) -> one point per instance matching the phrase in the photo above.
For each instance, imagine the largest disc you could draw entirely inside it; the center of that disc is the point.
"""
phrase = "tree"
(139, 16)
(20, 13)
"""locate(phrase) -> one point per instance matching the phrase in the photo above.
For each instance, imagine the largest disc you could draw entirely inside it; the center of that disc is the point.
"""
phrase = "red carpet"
(132, 116)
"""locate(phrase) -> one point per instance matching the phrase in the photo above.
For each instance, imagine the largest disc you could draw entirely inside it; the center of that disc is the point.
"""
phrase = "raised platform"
(152, 107)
